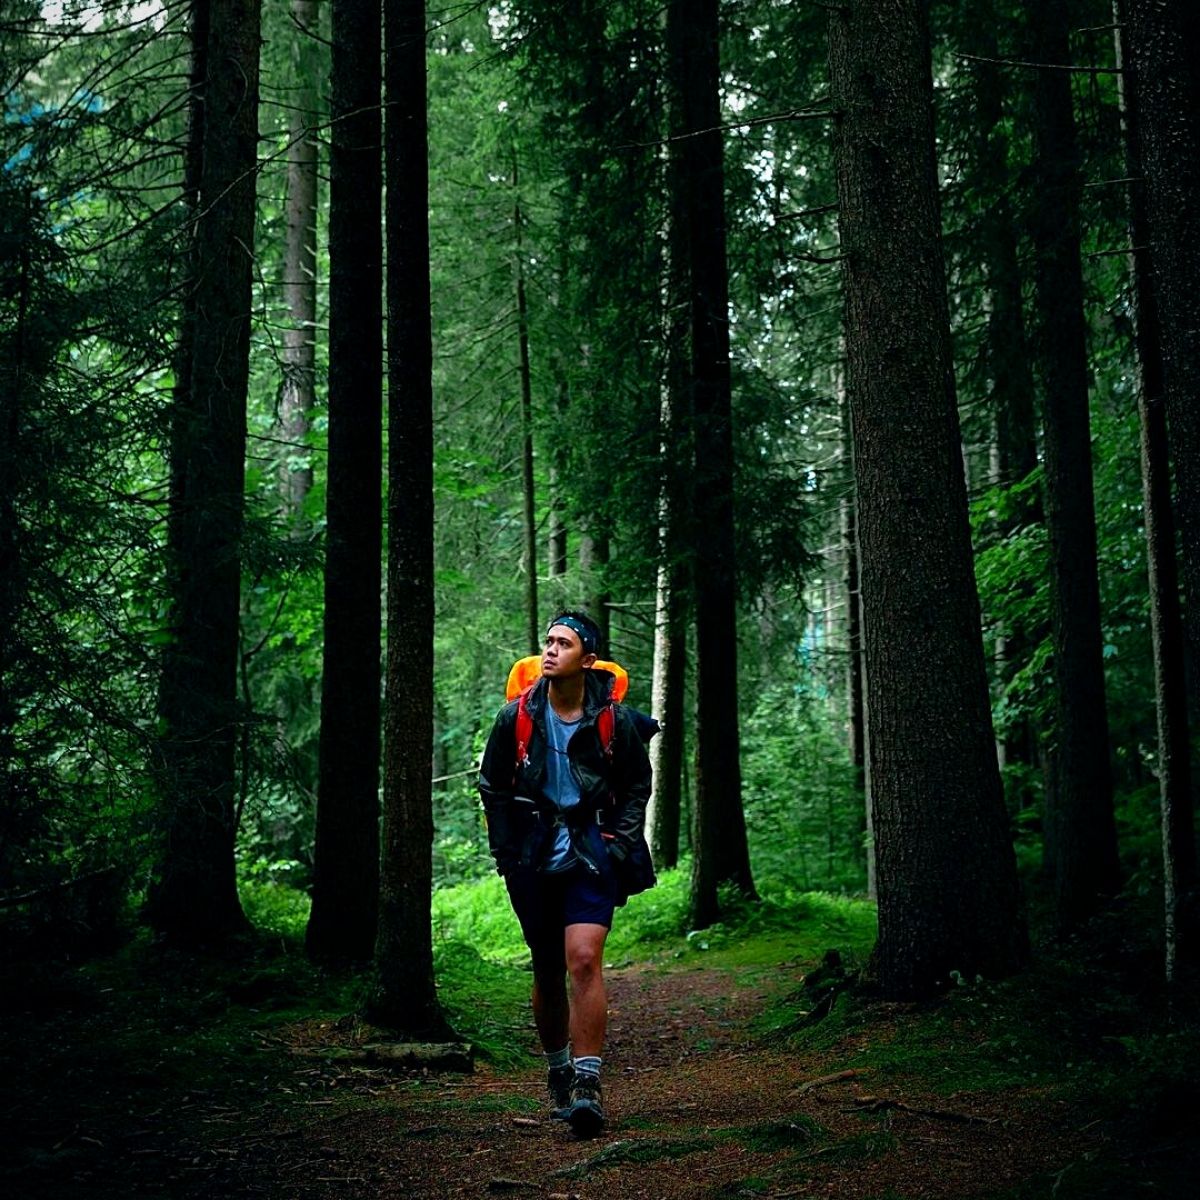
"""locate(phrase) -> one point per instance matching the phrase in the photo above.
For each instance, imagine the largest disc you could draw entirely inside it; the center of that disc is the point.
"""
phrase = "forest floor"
(147, 1076)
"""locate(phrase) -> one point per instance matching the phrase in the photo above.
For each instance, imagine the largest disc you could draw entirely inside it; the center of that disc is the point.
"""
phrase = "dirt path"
(697, 1108)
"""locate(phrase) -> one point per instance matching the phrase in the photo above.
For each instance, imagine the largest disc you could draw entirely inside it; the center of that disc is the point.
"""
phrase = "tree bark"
(342, 924)
(194, 897)
(948, 896)
(721, 855)
(1161, 91)
(297, 393)
(668, 688)
(404, 995)
(1080, 834)
(663, 813)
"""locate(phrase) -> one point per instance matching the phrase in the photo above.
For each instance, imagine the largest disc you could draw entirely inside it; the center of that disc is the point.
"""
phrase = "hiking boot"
(559, 1082)
(586, 1113)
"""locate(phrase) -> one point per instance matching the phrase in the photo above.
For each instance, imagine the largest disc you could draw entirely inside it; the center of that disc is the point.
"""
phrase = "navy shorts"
(547, 902)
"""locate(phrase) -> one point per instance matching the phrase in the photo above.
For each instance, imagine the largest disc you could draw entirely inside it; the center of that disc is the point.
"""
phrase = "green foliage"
(547, 124)
(479, 914)
(804, 820)
(79, 486)
(273, 907)
(486, 1001)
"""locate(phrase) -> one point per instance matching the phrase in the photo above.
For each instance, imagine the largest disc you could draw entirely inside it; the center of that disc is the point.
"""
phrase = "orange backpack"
(527, 671)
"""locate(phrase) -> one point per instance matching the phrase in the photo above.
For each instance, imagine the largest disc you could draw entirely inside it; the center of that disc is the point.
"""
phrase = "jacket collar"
(598, 686)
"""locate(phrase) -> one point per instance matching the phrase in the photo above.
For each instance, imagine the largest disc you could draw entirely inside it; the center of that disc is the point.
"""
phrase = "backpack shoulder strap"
(605, 725)
(524, 731)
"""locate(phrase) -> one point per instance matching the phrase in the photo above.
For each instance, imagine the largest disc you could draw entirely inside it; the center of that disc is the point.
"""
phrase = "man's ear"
(589, 660)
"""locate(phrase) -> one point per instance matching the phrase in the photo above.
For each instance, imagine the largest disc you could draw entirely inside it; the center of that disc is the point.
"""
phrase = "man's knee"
(585, 957)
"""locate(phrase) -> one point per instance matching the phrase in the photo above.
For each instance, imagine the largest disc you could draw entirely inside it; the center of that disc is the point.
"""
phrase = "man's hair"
(587, 629)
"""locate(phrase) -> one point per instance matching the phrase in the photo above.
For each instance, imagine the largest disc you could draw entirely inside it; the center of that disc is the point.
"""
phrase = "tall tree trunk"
(721, 854)
(1157, 44)
(298, 386)
(404, 995)
(529, 496)
(195, 893)
(1080, 834)
(342, 924)
(948, 896)
(669, 683)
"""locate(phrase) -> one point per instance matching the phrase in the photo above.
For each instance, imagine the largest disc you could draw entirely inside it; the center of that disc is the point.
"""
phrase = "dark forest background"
(842, 359)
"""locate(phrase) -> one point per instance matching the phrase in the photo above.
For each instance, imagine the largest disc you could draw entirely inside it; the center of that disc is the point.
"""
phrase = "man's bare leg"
(589, 1000)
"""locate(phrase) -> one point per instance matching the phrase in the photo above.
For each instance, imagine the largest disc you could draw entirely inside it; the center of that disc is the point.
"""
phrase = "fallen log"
(400, 1056)
(429, 1056)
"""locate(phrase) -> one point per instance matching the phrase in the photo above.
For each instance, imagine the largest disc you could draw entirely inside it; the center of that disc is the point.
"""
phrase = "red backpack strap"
(524, 731)
(605, 724)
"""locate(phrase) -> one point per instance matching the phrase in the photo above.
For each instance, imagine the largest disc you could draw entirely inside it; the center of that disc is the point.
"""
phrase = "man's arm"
(496, 773)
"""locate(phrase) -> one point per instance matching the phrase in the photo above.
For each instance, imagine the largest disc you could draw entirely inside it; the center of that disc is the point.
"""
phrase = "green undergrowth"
(482, 964)
(654, 925)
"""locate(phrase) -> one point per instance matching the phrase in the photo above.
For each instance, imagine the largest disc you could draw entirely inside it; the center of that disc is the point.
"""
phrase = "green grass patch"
(486, 1002)
(787, 926)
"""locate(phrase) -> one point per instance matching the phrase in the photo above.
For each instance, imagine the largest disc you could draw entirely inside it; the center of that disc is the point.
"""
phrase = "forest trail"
(699, 1103)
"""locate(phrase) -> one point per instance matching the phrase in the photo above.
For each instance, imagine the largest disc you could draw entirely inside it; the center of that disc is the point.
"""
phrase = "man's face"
(562, 654)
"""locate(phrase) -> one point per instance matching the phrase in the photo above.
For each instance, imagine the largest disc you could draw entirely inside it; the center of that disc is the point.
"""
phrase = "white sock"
(588, 1064)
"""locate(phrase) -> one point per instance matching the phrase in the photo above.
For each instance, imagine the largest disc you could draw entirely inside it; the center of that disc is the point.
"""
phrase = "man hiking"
(565, 779)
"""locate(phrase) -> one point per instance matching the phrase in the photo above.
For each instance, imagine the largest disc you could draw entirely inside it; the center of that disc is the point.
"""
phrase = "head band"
(587, 637)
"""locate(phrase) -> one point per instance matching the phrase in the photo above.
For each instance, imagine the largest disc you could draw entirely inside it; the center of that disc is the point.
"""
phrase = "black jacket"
(521, 820)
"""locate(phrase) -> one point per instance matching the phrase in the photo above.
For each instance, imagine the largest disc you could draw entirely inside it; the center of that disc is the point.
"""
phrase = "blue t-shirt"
(562, 789)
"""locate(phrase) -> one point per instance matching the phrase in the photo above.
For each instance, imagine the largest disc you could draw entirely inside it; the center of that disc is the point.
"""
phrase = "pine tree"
(946, 872)
(195, 894)
(1080, 835)
(1163, 92)
(719, 842)
(342, 923)
(404, 995)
